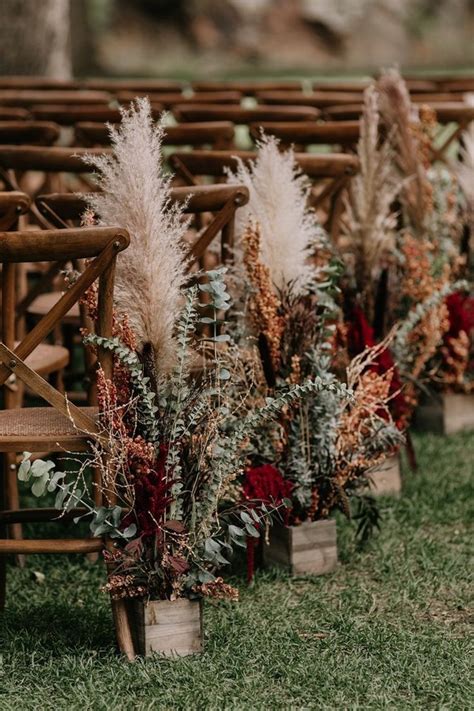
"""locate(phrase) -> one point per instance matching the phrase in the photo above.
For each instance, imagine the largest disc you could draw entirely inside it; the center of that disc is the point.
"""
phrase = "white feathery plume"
(135, 195)
(279, 204)
(370, 224)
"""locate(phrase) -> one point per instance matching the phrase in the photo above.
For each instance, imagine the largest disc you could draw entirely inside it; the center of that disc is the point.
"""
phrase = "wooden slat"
(239, 115)
(28, 132)
(74, 243)
(59, 545)
(39, 515)
(55, 158)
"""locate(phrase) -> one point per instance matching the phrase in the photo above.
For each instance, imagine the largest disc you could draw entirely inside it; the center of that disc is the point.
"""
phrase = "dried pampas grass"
(370, 224)
(402, 120)
(135, 195)
(279, 204)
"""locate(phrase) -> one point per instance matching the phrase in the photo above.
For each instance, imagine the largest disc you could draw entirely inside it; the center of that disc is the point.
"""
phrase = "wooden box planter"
(386, 480)
(172, 628)
(307, 549)
(446, 413)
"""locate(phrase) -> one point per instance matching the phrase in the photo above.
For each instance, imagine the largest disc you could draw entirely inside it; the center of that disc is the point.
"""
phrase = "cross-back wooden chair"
(170, 100)
(216, 134)
(246, 87)
(32, 133)
(316, 99)
(302, 134)
(331, 172)
(46, 359)
(68, 115)
(60, 425)
(28, 98)
(241, 115)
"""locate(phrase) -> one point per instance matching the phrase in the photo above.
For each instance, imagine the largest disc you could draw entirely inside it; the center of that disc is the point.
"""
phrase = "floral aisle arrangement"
(290, 323)
(171, 446)
(401, 247)
(431, 292)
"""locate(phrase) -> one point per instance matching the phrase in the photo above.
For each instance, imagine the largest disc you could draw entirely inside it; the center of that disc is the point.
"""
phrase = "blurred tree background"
(225, 37)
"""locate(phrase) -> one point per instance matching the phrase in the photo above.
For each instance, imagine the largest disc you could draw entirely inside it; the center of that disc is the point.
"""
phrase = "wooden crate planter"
(171, 628)
(307, 549)
(386, 480)
(446, 413)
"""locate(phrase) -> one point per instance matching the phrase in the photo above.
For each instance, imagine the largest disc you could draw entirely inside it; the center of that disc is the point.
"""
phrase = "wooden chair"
(32, 133)
(68, 115)
(243, 116)
(170, 100)
(316, 99)
(216, 134)
(332, 172)
(302, 134)
(61, 425)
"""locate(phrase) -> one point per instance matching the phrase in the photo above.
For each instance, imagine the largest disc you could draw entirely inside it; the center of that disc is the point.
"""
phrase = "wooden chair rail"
(170, 100)
(213, 163)
(248, 88)
(27, 98)
(56, 545)
(316, 99)
(18, 132)
(39, 515)
(241, 115)
(12, 205)
(195, 134)
(40, 245)
(13, 114)
(48, 159)
(306, 133)
(69, 115)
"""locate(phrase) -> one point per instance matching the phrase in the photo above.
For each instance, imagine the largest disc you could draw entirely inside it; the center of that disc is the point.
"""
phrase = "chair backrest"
(60, 210)
(307, 133)
(317, 99)
(241, 115)
(39, 133)
(172, 99)
(344, 85)
(100, 246)
(218, 134)
(37, 83)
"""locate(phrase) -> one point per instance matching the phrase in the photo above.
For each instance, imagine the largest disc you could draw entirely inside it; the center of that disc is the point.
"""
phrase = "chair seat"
(40, 429)
(47, 358)
(45, 302)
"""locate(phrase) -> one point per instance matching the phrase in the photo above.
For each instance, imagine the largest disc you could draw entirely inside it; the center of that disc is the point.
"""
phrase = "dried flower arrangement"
(325, 445)
(404, 263)
(171, 447)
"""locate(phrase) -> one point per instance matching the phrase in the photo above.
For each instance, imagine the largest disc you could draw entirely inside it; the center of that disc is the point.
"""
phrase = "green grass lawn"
(389, 629)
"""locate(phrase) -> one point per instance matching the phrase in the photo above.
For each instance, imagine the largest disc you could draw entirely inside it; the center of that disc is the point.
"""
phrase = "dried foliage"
(410, 150)
(370, 221)
(134, 194)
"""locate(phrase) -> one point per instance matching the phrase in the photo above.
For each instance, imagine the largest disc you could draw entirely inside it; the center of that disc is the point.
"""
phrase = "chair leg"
(122, 629)
(3, 534)
(13, 500)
